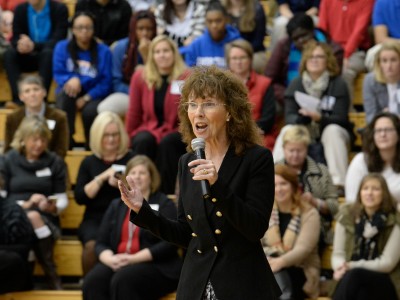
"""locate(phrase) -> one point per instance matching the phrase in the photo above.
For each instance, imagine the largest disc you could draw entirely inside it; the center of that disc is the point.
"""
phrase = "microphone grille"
(198, 143)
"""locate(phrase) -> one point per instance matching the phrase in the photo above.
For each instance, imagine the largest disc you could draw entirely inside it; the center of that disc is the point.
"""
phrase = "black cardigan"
(165, 255)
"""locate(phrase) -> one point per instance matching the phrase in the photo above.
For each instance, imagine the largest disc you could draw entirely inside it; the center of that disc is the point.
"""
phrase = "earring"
(227, 119)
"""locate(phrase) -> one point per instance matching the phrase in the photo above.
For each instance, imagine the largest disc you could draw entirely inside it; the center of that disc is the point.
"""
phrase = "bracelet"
(98, 181)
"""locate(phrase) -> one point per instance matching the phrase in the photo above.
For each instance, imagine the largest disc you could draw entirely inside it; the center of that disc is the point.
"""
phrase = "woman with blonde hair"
(290, 242)
(96, 184)
(380, 87)
(314, 179)
(35, 178)
(152, 116)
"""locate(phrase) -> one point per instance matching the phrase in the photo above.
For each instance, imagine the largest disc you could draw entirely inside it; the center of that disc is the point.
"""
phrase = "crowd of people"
(258, 205)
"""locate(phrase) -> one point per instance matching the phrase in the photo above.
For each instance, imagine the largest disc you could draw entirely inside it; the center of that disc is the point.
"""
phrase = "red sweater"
(257, 86)
(141, 115)
(347, 22)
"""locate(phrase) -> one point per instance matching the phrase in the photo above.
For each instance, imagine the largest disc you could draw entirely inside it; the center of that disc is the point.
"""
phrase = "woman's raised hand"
(131, 195)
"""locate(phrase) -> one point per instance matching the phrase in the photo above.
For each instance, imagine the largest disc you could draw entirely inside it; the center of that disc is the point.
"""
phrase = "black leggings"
(165, 155)
(142, 281)
(362, 284)
(89, 113)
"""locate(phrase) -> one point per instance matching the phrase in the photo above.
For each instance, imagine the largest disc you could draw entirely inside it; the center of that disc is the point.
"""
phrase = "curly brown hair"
(371, 152)
(331, 62)
(203, 82)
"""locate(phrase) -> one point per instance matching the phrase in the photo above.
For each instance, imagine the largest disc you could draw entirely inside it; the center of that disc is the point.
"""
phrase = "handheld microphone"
(198, 146)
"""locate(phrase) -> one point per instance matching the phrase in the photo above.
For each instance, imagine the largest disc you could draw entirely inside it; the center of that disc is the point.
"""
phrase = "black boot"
(44, 254)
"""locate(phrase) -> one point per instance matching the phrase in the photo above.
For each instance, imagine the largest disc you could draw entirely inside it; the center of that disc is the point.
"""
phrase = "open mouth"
(200, 127)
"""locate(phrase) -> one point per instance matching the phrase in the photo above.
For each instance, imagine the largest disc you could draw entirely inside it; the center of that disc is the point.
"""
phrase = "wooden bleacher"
(358, 118)
(59, 295)
(73, 160)
(358, 96)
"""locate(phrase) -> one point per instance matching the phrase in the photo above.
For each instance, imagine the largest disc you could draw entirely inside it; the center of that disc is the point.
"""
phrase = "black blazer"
(165, 255)
(222, 235)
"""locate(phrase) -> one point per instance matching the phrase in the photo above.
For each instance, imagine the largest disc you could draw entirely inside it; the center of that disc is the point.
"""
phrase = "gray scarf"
(317, 87)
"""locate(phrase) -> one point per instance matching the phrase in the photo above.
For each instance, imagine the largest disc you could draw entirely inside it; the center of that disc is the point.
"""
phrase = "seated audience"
(152, 116)
(249, 18)
(134, 264)
(315, 181)
(128, 55)
(16, 240)
(239, 56)
(290, 242)
(96, 184)
(381, 86)
(328, 123)
(283, 65)
(38, 25)
(380, 154)
(366, 255)
(286, 10)
(182, 21)
(347, 24)
(112, 18)
(36, 179)
(82, 70)
(32, 93)
(208, 49)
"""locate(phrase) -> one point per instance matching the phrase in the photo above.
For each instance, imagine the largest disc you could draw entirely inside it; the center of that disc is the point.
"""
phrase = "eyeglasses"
(83, 28)
(385, 130)
(205, 106)
(239, 58)
(111, 135)
(317, 57)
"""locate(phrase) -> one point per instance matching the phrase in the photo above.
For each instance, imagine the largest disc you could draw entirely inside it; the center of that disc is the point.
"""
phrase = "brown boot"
(44, 254)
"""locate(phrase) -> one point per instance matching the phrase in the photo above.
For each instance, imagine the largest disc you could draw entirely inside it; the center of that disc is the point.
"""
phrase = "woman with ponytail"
(82, 70)
(128, 55)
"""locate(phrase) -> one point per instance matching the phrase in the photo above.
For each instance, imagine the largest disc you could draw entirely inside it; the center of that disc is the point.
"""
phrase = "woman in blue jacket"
(82, 70)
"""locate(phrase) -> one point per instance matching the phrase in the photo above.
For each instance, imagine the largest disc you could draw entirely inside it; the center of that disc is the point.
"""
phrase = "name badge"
(176, 87)
(118, 168)
(327, 103)
(43, 173)
(155, 207)
(51, 124)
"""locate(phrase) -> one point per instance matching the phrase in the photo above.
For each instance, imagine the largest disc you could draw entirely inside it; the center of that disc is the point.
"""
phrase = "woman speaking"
(224, 257)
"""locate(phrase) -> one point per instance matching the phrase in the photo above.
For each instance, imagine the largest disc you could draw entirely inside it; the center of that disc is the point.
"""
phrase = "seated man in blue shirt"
(38, 25)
